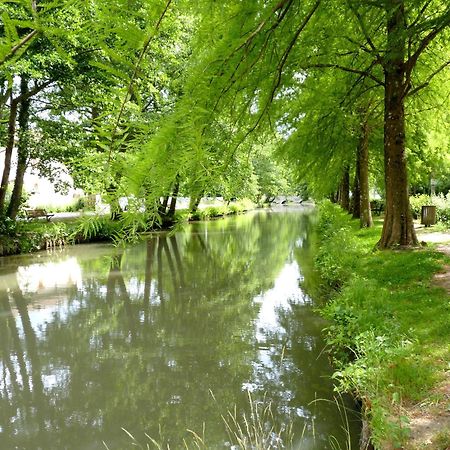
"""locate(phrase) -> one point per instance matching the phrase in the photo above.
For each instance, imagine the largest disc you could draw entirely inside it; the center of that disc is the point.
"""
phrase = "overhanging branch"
(345, 69)
(425, 42)
(135, 71)
(428, 80)
(18, 46)
(366, 34)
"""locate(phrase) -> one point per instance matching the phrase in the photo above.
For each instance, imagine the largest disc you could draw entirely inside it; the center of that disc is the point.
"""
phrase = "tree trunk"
(115, 212)
(173, 200)
(363, 175)
(398, 229)
(8, 152)
(344, 190)
(163, 206)
(356, 192)
(194, 202)
(333, 197)
(22, 151)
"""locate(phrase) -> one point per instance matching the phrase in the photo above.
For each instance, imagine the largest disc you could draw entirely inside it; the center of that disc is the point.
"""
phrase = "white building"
(41, 191)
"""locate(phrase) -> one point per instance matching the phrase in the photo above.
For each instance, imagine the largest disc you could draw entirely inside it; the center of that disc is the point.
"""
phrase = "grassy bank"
(389, 331)
(25, 237)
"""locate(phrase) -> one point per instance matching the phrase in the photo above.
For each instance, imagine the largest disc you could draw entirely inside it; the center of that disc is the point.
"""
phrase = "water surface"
(164, 337)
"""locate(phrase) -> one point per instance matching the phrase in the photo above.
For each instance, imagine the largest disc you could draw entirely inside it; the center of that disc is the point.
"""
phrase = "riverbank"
(388, 333)
(17, 237)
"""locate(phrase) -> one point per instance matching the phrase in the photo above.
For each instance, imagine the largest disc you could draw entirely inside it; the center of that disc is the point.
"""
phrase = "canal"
(200, 336)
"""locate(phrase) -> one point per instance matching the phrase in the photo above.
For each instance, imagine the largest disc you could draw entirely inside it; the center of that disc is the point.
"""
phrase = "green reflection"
(139, 339)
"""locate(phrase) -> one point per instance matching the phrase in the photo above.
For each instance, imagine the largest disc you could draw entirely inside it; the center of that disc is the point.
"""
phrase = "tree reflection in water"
(149, 332)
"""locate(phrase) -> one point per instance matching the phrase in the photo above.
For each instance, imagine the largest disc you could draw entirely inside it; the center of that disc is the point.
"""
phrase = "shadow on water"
(93, 340)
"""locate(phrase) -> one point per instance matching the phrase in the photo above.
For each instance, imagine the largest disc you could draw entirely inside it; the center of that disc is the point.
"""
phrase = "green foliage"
(211, 212)
(8, 227)
(386, 321)
(335, 231)
(92, 227)
(26, 237)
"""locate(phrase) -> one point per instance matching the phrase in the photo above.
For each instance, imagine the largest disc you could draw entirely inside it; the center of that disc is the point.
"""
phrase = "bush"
(8, 227)
(335, 228)
(96, 228)
(417, 201)
(220, 211)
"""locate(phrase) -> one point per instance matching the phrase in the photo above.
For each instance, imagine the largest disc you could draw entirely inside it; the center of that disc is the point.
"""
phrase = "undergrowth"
(388, 324)
(24, 237)
(211, 212)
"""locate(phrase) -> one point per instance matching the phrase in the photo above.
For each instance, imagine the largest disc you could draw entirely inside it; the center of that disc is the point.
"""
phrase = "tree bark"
(163, 206)
(363, 175)
(398, 229)
(22, 151)
(194, 202)
(173, 200)
(8, 152)
(113, 201)
(356, 192)
(344, 190)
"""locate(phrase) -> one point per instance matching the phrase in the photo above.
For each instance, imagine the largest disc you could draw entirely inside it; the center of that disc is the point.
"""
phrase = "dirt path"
(430, 419)
(443, 240)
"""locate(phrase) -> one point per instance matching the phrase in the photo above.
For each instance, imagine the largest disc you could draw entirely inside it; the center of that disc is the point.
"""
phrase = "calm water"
(164, 337)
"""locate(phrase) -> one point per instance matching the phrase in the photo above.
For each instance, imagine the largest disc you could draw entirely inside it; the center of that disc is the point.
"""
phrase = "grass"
(389, 323)
(212, 212)
(254, 429)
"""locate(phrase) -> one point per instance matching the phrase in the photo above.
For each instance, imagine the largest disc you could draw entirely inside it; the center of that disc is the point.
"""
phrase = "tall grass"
(255, 429)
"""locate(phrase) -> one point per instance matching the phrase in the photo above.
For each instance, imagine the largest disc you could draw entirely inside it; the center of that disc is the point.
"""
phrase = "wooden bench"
(37, 213)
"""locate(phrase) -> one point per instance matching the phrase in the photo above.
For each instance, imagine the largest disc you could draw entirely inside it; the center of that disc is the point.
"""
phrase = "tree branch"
(135, 71)
(366, 34)
(290, 46)
(32, 92)
(420, 14)
(412, 60)
(263, 23)
(428, 80)
(364, 73)
(280, 67)
(18, 46)
(285, 4)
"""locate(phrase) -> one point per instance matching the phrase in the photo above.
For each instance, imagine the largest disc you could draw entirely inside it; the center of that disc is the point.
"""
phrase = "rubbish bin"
(428, 216)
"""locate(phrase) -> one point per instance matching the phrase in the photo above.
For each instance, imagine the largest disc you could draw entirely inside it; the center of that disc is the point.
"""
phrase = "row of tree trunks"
(169, 203)
(24, 101)
(359, 205)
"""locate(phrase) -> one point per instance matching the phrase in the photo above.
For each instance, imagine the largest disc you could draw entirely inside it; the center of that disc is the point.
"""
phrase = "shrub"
(96, 228)
(335, 228)
(8, 227)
